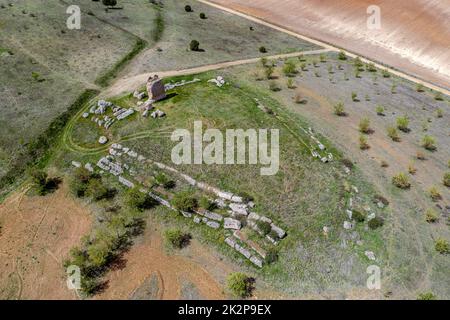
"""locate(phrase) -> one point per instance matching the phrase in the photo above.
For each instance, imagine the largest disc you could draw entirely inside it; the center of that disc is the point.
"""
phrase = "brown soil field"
(35, 238)
(414, 35)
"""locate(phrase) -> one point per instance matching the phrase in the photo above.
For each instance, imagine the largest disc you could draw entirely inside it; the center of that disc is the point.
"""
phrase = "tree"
(262, 49)
(176, 238)
(264, 226)
(184, 201)
(187, 8)
(138, 200)
(202, 15)
(194, 45)
(375, 223)
(240, 284)
(97, 190)
(109, 3)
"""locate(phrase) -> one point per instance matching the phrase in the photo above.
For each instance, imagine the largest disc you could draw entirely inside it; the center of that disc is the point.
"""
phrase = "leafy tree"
(138, 200)
(187, 8)
(262, 49)
(97, 190)
(184, 201)
(376, 223)
(194, 45)
(109, 3)
(202, 15)
(176, 238)
(264, 226)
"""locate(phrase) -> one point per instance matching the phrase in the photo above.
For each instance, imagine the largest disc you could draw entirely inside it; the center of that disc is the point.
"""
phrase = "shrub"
(262, 49)
(289, 68)
(438, 96)
(429, 143)
(348, 163)
(184, 201)
(393, 134)
(273, 86)
(290, 83)
(431, 216)
(401, 181)
(264, 226)
(420, 156)
(385, 73)
(355, 97)
(342, 55)
(420, 87)
(364, 125)
(376, 223)
(194, 45)
(176, 238)
(206, 204)
(271, 255)
(187, 8)
(299, 99)
(240, 285)
(371, 67)
(269, 72)
(97, 190)
(363, 145)
(339, 109)
(442, 246)
(139, 200)
(435, 195)
(380, 110)
(263, 62)
(358, 216)
(384, 164)
(426, 296)
(439, 113)
(446, 179)
(202, 15)
(412, 169)
(43, 183)
(403, 123)
(162, 180)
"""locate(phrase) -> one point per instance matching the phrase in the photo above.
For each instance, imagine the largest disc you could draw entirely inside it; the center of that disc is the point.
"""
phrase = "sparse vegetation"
(393, 134)
(264, 227)
(363, 144)
(289, 68)
(438, 96)
(358, 216)
(403, 124)
(446, 179)
(342, 55)
(380, 110)
(431, 216)
(43, 183)
(401, 181)
(364, 126)
(426, 296)
(434, 193)
(136, 199)
(442, 246)
(339, 109)
(429, 143)
(355, 97)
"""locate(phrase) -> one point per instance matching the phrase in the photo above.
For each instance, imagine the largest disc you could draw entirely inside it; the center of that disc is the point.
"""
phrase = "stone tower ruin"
(155, 88)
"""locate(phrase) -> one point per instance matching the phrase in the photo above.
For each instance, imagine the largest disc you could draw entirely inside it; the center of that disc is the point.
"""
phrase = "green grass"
(303, 197)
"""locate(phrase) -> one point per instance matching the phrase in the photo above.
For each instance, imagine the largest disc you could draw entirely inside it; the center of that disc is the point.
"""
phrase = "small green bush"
(379, 110)
(401, 181)
(446, 179)
(184, 201)
(139, 200)
(194, 45)
(376, 223)
(202, 15)
(431, 216)
(240, 285)
(264, 226)
(429, 143)
(339, 109)
(403, 123)
(176, 238)
(358, 216)
(342, 55)
(393, 134)
(364, 126)
(262, 49)
(442, 246)
(426, 296)
(187, 8)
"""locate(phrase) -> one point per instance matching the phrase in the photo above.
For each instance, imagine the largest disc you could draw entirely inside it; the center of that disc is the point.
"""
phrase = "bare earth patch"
(36, 236)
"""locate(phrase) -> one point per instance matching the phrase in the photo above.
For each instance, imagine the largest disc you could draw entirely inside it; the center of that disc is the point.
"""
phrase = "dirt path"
(131, 83)
(37, 234)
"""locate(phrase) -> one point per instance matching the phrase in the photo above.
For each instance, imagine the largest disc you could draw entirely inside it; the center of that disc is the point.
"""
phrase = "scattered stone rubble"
(158, 114)
(102, 140)
(219, 81)
(170, 86)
